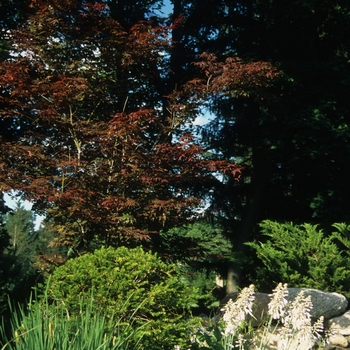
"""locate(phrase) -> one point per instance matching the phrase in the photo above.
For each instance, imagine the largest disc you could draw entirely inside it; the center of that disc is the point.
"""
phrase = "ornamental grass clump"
(289, 322)
(44, 325)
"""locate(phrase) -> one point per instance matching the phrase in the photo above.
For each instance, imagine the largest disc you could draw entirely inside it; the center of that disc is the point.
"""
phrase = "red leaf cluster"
(233, 76)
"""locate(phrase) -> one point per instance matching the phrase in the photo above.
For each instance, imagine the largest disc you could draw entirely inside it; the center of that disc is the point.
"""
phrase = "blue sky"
(11, 202)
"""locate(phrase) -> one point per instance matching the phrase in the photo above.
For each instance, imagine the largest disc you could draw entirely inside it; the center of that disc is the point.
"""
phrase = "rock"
(337, 340)
(340, 324)
(324, 304)
(271, 340)
(266, 339)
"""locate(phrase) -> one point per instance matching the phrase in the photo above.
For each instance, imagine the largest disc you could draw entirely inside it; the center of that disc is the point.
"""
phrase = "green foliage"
(19, 223)
(12, 14)
(303, 256)
(16, 273)
(47, 326)
(6, 261)
(202, 252)
(7, 269)
(200, 243)
(49, 253)
(20, 252)
(205, 283)
(129, 282)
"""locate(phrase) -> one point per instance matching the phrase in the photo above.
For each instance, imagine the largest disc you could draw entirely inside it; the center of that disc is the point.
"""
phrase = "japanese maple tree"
(87, 139)
(95, 130)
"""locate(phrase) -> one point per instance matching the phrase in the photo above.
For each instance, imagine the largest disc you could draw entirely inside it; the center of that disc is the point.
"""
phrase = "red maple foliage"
(86, 138)
(233, 77)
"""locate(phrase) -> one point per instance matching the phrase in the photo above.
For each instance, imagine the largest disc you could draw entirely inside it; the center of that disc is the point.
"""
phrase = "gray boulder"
(324, 304)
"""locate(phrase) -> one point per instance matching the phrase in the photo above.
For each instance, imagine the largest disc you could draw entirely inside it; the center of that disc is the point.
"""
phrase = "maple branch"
(75, 138)
(45, 98)
(208, 81)
(125, 103)
(62, 182)
(94, 110)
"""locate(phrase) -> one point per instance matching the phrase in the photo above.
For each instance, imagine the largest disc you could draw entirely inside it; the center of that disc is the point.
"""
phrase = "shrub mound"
(304, 256)
(132, 285)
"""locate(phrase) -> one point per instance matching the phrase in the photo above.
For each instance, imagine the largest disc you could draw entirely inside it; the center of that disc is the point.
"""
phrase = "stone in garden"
(271, 340)
(324, 304)
(340, 324)
(267, 339)
(337, 340)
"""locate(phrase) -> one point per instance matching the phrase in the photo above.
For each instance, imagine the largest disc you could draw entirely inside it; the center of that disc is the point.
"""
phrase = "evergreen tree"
(6, 260)
(19, 223)
(303, 256)
(21, 250)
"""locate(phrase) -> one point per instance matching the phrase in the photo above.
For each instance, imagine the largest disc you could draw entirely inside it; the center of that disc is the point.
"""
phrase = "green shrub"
(303, 256)
(129, 282)
(203, 252)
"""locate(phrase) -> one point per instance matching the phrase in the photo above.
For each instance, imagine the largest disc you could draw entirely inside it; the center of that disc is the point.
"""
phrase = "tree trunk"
(260, 178)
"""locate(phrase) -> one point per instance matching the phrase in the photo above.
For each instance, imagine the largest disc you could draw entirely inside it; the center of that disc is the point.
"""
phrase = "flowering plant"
(288, 322)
